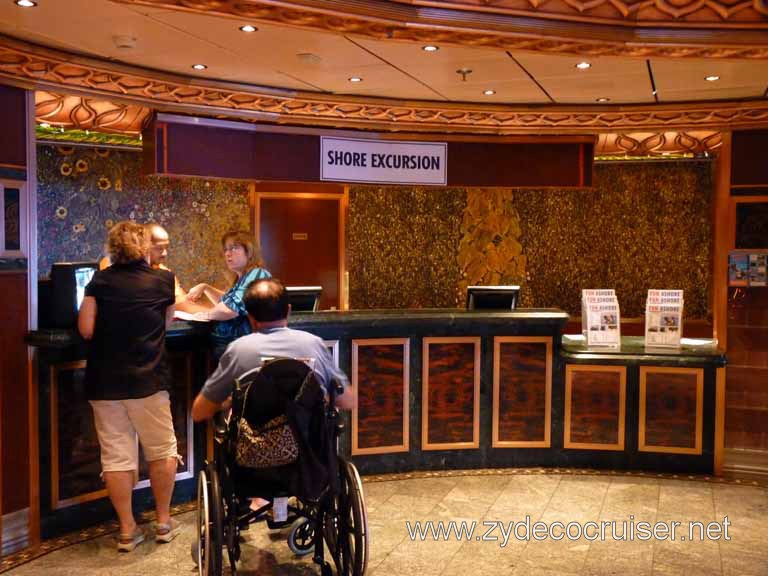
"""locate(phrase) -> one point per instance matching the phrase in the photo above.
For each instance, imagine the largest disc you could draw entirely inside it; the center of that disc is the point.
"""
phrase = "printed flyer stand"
(748, 267)
(663, 318)
(601, 318)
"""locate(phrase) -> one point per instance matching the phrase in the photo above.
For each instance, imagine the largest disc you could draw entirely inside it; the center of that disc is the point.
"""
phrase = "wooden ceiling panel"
(90, 26)
(680, 81)
(491, 69)
(623, 80)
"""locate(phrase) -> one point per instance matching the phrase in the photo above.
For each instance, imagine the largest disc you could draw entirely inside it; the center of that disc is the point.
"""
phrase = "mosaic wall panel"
(643, 225)
(82, 191)
(402, 246)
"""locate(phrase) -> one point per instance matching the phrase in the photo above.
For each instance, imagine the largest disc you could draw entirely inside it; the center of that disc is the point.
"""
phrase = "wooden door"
(302, 240)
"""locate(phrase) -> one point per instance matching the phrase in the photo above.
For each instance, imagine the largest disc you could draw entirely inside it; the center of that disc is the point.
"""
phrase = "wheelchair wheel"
(209, 524)
(346, 524)
(301, 538)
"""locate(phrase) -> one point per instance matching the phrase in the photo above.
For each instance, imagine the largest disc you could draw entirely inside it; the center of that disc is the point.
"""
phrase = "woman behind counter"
(244, 262)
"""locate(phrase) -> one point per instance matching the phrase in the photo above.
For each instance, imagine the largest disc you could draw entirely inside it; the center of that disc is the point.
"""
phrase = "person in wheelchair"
(327, 505)
(267, 304)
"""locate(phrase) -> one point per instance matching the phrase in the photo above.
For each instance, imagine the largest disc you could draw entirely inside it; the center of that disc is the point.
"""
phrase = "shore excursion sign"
(383, 161)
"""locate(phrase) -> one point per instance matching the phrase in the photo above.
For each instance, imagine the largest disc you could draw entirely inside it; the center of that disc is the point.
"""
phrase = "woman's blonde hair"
(127, 242)
(252, 250)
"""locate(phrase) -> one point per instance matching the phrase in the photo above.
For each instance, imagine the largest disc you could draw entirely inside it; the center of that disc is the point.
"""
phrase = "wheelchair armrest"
(220, 424)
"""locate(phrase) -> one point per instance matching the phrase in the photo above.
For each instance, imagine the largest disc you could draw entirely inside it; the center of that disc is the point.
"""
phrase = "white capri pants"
(119, 421)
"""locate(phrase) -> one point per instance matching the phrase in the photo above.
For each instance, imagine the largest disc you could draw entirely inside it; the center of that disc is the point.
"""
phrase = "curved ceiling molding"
(82, 113)
(642, 28)
(696, 13)
(658, 143)
(45, 69)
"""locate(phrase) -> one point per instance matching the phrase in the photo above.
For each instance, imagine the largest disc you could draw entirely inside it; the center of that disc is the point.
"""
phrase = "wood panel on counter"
(75, 465)
(595, 407)
(380, 374)
(450, 398)
(671, 410)
(522, 391)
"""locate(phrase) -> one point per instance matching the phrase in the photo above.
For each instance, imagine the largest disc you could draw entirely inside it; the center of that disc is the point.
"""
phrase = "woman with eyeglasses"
(243, 259)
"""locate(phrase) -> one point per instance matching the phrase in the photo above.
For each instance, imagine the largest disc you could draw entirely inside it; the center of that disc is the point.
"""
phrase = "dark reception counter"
(437, 389)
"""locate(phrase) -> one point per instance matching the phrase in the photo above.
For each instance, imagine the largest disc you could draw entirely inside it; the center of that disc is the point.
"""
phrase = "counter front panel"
(437, 389)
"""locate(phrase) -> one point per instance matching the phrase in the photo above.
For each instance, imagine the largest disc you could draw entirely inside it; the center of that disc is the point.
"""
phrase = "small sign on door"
(299, 236)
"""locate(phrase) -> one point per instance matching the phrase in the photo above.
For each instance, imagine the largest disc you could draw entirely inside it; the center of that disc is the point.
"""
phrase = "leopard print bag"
(269, 445)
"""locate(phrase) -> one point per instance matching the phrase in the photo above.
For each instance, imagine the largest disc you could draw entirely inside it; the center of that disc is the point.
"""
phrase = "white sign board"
(383, 161)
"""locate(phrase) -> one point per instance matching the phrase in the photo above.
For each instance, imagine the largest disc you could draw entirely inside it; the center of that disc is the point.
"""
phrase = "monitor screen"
(492, 297)
(304, 298)
(82, 278)
(68, 282)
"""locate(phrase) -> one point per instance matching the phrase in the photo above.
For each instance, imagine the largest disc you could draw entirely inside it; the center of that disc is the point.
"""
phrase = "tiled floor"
(497, 498)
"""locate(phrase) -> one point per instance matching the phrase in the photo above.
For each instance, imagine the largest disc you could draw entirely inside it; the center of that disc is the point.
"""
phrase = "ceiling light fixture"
(583, 65)
(199, 66)
(464, 72)
(430, 48)
(489, 92)
(248, 28)
(603, 99)
(712, 78)
(26, 3)
(355, 79)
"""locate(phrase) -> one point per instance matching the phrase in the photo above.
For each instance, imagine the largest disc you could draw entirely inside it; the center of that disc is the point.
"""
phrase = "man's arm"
(217, 388)
(332, 374)
(204, 409)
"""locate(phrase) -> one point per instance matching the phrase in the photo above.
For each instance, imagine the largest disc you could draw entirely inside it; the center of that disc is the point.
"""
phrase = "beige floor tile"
(610, 557)
(686, 555)
(577, 499)
(685, 501)
(485, 557)
(486, 499)
(429, 487)
(565, 555)
(751, 561)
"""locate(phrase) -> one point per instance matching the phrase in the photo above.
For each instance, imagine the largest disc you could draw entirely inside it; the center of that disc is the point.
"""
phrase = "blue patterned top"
(229, 330)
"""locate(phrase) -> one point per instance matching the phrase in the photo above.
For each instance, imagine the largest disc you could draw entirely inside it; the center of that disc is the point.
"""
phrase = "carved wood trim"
(34, 67)
(658, 143)
(83, 113)
(673, 28)
(659, 12)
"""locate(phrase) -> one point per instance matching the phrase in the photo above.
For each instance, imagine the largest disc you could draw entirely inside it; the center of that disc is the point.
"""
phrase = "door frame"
(289, 191)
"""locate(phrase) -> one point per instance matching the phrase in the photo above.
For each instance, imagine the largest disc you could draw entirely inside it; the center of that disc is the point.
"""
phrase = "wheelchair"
(326, 509)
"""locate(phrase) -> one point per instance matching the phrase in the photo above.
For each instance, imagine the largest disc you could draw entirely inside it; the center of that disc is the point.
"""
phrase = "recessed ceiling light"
(26, 3)
(248, 28)
(583, 65)
(199, 66)
(430, 48)
(489, 92)
(603, 99)
(355, 79)
(712, 78)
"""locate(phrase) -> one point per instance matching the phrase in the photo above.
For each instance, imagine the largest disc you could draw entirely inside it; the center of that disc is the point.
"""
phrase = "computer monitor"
(492, 297)
(68, 282)
(304, 298)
